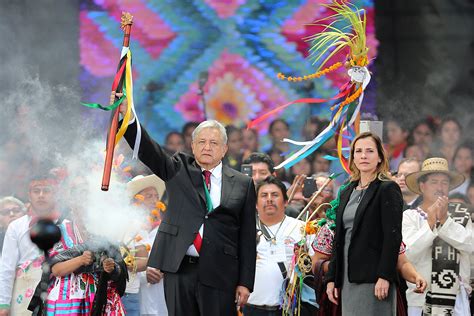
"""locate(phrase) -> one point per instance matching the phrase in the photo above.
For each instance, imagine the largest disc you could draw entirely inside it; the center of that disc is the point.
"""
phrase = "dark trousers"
(306, 310)
(186, 296)
(248, 310)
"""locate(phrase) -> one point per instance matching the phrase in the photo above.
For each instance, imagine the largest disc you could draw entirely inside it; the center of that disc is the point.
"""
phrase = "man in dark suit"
(206, 243)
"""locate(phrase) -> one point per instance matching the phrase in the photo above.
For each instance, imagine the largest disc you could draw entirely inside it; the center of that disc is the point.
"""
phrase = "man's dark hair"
(408, 160)
(229, 129)
(424, 178)
(189, 125)
(460, 196)
(275, 181)
(172, 133)
(260, 157)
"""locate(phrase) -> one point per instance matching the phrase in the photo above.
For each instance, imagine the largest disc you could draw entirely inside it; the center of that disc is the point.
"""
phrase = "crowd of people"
(393, 238)
(425, 138)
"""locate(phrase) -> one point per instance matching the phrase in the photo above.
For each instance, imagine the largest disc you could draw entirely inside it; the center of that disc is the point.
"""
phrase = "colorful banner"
(242, 45)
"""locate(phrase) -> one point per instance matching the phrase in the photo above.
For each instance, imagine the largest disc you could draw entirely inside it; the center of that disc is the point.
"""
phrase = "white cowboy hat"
(139, 183)
(434, 165)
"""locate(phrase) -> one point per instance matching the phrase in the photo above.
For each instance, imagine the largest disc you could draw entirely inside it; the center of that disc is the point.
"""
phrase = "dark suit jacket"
(376, 235)
(228, 252)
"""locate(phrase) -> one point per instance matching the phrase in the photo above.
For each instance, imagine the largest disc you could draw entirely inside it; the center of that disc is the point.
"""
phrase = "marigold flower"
(311, 228)
(161, 206)
(139, 197)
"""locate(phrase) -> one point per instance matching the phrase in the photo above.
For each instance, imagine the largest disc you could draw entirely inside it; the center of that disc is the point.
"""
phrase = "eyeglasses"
(10, 211)
(399, 175)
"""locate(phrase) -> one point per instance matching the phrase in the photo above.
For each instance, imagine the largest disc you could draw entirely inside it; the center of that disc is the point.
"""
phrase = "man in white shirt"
(144, 192)
(277, 235)
(438, 238)
(20, 271)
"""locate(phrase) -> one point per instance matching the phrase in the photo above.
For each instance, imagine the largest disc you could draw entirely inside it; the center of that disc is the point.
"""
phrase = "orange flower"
(311, 228)
(148, 247)
(161, 206)
(311, 76)
(155, 212)
(139, 197)
(138, 238)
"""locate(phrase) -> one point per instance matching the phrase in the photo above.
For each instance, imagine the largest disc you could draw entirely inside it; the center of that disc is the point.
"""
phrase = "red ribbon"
(119, 74)
(344, 91)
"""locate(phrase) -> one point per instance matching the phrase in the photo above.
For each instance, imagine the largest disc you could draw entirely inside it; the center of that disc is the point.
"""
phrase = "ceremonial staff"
(117, 86)
(123, 83)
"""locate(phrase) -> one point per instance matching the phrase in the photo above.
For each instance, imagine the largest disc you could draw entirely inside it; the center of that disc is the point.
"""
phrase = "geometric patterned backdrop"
(242, 44)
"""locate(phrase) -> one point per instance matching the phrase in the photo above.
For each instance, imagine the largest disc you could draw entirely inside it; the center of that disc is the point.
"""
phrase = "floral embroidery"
(29, 293)
(323, 241)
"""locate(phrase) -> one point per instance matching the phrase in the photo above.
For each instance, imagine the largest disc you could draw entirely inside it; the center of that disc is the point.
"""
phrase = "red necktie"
(198, 240)
(207, 179)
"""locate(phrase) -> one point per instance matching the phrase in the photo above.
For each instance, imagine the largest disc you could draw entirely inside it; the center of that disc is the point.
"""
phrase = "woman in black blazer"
(368, 234)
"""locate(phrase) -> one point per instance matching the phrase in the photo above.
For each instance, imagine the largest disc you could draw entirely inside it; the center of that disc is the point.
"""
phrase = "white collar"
(216, 172)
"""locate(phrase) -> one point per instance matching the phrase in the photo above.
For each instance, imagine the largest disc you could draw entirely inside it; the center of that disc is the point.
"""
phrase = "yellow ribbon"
(129, 93)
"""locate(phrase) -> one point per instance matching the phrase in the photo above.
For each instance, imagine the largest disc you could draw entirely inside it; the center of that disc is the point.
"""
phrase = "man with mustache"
(276, 236)
(439, 242)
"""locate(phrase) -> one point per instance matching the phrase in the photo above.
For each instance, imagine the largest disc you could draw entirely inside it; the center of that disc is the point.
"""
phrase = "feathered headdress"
(346, 109)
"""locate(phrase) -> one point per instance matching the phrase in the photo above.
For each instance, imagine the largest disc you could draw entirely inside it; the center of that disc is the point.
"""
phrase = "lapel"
(368, 195)
(228, 181)
(196, 177)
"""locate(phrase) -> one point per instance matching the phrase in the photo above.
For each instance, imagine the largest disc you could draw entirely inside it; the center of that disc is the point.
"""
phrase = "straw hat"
(434, 165)
(139, 183)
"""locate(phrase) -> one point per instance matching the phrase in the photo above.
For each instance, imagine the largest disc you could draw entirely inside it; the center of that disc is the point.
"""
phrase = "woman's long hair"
(382, 172)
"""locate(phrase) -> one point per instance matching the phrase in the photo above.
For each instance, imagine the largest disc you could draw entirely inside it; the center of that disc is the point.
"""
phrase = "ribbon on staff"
(344, 91)
(123, 83)
(344, 124)
(125, 75)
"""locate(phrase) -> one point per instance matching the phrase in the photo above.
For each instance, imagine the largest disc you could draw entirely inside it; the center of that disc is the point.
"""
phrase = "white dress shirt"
(152, 296)
(17, 249)
(216, 189)
(418, 238)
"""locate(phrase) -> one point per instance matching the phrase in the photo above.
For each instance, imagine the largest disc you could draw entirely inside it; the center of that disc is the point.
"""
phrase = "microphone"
(202, 80)
(203, 77)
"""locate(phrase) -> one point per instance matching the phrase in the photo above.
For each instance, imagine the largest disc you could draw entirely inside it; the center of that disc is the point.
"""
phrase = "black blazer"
(228, 252)
(376, 235)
